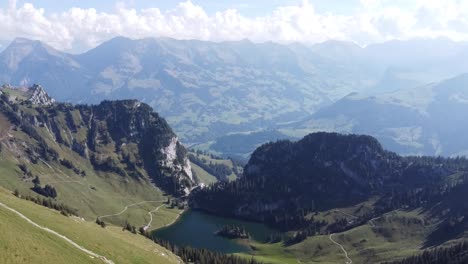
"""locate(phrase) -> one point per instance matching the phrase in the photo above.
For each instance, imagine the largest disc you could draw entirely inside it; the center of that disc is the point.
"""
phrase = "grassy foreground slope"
(21, 242)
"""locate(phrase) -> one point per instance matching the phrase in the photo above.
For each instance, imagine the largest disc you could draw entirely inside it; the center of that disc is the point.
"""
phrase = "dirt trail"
(130, 205)
(348, 259)
(151, 217)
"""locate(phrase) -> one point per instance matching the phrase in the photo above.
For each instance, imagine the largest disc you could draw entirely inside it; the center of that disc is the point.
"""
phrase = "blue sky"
(73, 26)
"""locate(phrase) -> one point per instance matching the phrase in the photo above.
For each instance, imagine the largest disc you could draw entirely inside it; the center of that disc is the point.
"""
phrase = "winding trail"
(348, 259)
(151, 217)
(71, 242)
(130, 205)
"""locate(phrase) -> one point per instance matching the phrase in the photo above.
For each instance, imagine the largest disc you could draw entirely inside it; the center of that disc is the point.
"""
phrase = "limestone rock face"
(39, 96)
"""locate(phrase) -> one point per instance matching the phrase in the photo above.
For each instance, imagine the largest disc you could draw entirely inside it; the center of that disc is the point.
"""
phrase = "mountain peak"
(29, 44)
(34, 94)
(39, 96)
(22, 48)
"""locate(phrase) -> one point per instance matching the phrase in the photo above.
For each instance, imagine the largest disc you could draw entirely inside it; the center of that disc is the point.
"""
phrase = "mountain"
(373, 200)
(215, 87)
(95, 159)
(426, 120)
(76, 174)
(207, 90)
(25, 62)
(320, 171)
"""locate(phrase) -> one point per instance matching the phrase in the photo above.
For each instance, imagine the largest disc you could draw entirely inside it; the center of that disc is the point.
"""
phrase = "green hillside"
(91, 157)
(22, 242)
(210, 168)
(394, 236)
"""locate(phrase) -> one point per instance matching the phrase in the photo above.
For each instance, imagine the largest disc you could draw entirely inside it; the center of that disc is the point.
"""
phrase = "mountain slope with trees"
(95, 159)
(296, 186)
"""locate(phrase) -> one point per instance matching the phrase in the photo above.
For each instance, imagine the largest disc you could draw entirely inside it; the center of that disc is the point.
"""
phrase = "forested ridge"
(455, 254)
(285, 183)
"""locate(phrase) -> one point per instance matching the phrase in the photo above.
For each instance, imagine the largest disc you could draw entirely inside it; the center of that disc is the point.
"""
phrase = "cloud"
(373, 21)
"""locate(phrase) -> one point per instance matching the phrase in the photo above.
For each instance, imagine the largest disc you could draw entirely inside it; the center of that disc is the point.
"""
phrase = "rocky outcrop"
(35, 94)
(39, 96)
(170, 161)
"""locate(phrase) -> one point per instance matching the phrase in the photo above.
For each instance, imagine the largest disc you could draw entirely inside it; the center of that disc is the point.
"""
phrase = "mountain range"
(425, 120)
(206, 90)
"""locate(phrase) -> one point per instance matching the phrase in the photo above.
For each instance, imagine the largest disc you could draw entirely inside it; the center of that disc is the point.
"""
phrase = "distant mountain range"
(207, 89)
(427, 120)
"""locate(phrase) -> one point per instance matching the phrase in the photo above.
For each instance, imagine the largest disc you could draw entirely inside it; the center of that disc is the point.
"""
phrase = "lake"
(196, 229)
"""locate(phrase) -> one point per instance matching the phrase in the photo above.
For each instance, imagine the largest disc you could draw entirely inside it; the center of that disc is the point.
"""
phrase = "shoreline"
(171, 223)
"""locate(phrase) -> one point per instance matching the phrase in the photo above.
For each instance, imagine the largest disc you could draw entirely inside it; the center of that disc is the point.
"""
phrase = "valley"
(234, 132)
(112, 182)
(217, 95)
(377, 241)
(327, 198)
(361, 226)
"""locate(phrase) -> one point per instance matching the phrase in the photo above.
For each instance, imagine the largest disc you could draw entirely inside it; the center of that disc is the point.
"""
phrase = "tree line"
(49, 203)
(202, 256)
(220, 171)
(456, 254)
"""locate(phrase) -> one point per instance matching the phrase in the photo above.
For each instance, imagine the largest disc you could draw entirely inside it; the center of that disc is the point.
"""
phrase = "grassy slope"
(93, 195)
(396, 235)
(22, 243)
(206, 177)
(202, 175)
(161, 218)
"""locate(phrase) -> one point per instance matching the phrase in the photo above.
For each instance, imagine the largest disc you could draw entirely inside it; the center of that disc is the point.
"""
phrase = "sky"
(78, 25)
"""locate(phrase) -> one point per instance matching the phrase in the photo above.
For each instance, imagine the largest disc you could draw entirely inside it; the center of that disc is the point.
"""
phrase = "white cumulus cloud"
(373, 21)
